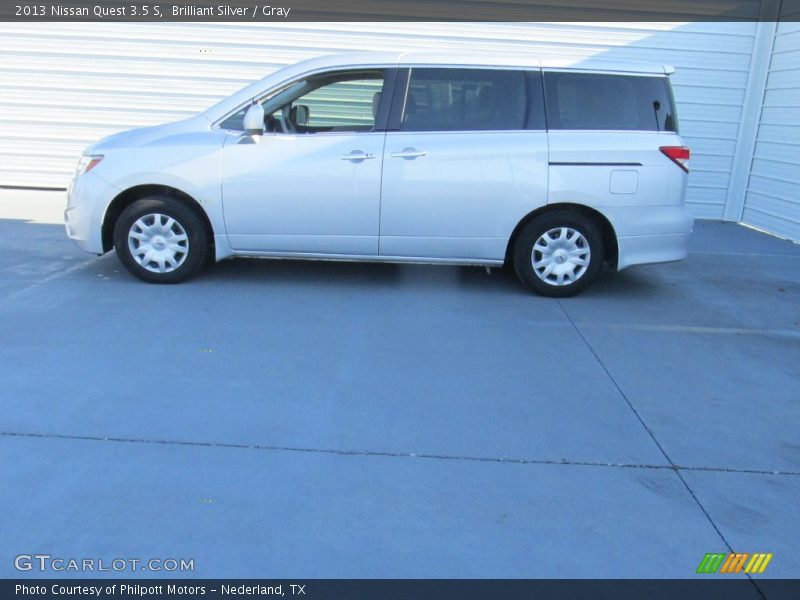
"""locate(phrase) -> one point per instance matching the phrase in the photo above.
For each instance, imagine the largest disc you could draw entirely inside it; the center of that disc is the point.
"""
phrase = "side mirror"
(300, 115)
(254, 120)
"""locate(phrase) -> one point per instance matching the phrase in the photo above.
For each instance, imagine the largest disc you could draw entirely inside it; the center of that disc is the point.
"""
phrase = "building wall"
(64, 85)
(772, 202)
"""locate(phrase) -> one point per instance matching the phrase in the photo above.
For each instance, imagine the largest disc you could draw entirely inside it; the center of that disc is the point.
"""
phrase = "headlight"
(87, 162)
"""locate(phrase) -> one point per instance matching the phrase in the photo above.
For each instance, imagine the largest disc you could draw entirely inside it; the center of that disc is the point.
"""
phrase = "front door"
(311, 183)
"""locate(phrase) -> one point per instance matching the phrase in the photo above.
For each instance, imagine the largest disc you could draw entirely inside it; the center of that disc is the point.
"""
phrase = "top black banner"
(399, 10)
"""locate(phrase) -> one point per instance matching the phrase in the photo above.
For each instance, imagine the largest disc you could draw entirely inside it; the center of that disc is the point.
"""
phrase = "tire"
(573, 261)
(161, 240)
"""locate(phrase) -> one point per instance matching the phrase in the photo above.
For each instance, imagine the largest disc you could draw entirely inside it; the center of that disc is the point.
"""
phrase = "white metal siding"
(64, 85)
(773, 193)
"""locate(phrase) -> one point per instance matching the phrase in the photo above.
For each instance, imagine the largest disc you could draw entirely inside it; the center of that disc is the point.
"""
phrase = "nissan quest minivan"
(404, 158)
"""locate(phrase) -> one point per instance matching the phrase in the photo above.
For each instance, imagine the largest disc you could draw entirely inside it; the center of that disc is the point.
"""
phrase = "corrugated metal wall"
(773, 192)
(64, 85)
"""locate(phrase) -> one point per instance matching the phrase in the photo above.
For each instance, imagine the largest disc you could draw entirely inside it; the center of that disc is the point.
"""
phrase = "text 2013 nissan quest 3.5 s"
(402, 158)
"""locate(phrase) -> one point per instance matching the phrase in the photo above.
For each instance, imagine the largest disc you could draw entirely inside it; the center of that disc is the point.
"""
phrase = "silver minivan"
(554, 169)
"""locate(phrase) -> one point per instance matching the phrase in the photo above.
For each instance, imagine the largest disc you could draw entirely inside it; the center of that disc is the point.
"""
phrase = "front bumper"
(88, 197)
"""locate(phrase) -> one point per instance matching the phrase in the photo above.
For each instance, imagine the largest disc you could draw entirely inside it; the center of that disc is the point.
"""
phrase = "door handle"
(409, 153)
(357, 155)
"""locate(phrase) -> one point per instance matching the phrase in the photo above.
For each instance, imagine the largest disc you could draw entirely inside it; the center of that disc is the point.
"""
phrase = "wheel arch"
(127, 197)
(610, 245)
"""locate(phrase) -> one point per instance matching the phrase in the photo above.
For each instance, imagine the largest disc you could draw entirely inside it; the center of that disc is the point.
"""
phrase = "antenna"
(656, 108)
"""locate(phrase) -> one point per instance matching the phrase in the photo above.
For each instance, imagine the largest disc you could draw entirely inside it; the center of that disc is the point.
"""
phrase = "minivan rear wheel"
(558, 254)
(161, 240)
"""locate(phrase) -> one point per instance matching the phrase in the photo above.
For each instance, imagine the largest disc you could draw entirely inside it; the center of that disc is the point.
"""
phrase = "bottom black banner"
(402, 589)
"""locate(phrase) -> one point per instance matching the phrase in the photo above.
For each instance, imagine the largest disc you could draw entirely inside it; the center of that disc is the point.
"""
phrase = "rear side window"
(466, 100)
(600, 101)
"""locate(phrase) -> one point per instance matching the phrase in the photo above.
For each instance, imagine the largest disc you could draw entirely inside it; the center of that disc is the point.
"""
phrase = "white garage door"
(64, 85)
(773, 193)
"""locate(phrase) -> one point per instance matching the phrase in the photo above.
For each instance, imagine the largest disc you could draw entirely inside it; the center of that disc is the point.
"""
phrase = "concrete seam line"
(388, 454)
(653, 437)
(690, 329)
(52, 277)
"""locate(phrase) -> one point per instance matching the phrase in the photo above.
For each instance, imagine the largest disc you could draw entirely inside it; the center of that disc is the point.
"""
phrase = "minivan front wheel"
(161, 240)
(558, 254)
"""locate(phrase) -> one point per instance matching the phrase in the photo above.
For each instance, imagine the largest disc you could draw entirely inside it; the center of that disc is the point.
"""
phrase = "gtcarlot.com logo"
(46, 562)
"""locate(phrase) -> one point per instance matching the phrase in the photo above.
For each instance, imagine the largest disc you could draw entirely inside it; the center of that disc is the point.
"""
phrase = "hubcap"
(561, 256)
(158, 243)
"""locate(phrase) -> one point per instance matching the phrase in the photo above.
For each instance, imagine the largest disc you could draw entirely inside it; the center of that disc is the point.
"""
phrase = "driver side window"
(344, 101)
(347, 103)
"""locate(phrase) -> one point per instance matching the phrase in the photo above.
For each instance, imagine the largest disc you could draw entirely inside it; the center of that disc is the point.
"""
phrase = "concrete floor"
(301, 419)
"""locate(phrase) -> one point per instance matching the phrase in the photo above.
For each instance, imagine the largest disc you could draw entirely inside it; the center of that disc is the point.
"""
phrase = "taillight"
(677, 154)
